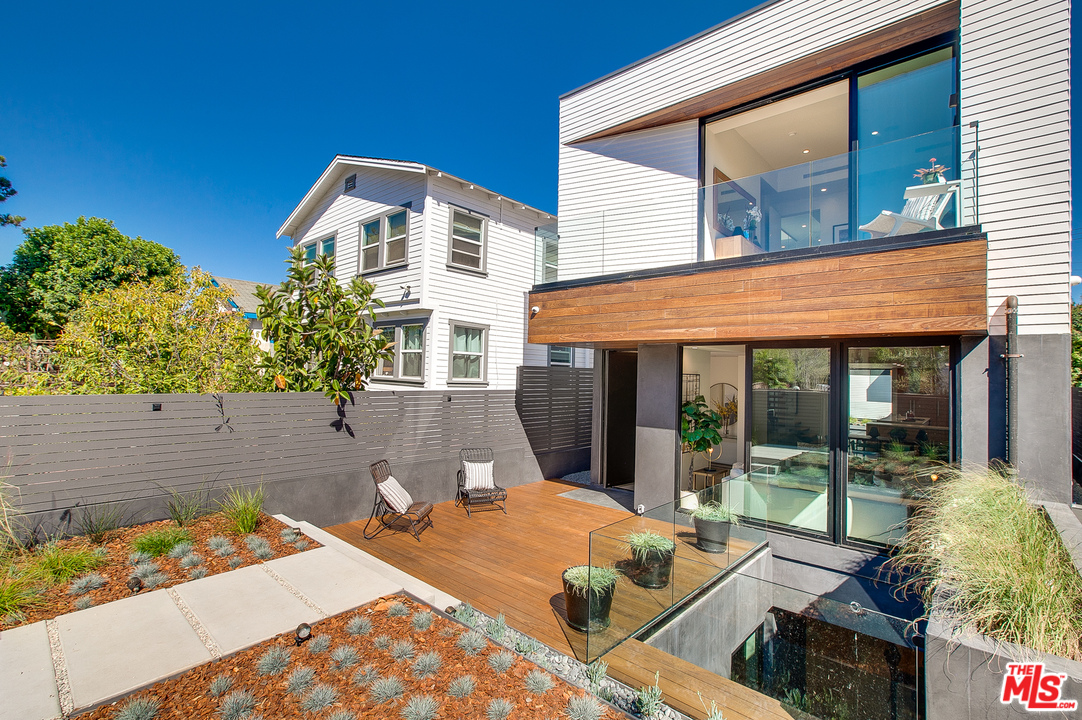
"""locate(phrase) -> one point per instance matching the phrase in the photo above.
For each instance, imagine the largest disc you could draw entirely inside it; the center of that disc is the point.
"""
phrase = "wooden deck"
(512, 564)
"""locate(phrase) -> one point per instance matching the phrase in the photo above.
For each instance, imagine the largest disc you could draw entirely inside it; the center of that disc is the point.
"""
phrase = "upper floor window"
(469, 350)
(467, 243)
(408, 362)
(384, 241)
(318, 247)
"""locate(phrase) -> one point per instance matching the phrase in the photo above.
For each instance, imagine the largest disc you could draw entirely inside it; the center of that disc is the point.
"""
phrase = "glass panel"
(559, 356)
(371, 233)
(411, 337)
(309, 253)
(789, 469)
(396, 251)
(370, 257)
(411, 364)
(396, 225)
(328, 246)
(466, 367)
(467, 339)
(467, 227)
(468, 260)
(899, 429)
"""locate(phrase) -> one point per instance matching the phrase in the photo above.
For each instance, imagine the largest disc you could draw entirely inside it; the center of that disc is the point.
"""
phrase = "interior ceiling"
(720, 350)
(817, 120)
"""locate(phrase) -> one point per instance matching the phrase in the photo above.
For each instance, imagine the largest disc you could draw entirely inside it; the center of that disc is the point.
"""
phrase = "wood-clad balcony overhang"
(918, 285)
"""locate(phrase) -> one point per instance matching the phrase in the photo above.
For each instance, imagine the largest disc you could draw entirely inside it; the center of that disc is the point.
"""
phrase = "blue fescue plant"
(471, 642)
(648, 699)
(584, 707)
(397, 609)
(386, 689)
(420, 707)
(421, 620)
(497, 628)
(498, 709)
(159, 542)
(299, 680)
(538, 682)
(319, 644)
(273, 662)
(382, 642)
(155, 580)
(526, 645)
(448, 630)
(145, 569)
(365, 676)
(197, 573)
(502, 661)
(465, 614)
(84, 602)
(138, 558)
(237, 705)
(301, 544)
(319, 698)
(461, 687)
(190, 560)
(402, 650)
(359, 626)
(263, 552)
(221, 546)
(341, 715)
(139, 708)
(86, 583)
(235, 562)
(220, 685)
(180, 550)
(344, 657)
(427, 664)
(289, 535)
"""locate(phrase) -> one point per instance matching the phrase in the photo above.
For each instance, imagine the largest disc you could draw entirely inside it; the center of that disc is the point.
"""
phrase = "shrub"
(526, 645)
(344, 657)
(179, 550)
(242, 507)
(420, 707)
(471, 642)
(499, 709)
(58, 564)
(583, 578)
(273, 662)
(97, 521)
(385, 689)
(421, 620)
(191, 560)
(158, 542)
(197, 573)
(220, 685)
(716, 512)
(138, 558)
(502, 661)
(397, 609)
(319, 698)
(17, 591)
(301, 544)
(596, 673)
(221, 546)
(341, 715)
(299, 680)
(235, 562)
(465, 614)
(382, 642)
(427, 664)
(140, 708)
(185, 508)
(538, 682)
(584, 707)
(288, 535)
(648, 699)
(144, 570)
(359, 626)
(237, 704)
(319, 644)
(365, 676)
(461, 687)
(255, 541)
(985, 559)
(402, 650)
(84, 602)
(263, 552)
(497, 628)
(647, 541)
(155, 580)
(86, 583)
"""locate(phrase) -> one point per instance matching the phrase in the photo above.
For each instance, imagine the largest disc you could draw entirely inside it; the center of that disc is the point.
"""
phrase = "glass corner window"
(468, 352)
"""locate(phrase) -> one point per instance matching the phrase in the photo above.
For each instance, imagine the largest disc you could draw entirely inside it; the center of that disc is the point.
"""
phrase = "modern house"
(244, 301)
(452, 261)
(833, 214)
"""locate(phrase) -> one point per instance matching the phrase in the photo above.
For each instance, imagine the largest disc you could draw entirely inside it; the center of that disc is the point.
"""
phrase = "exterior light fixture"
(803, 226)
(822, 189)
(806, 151)
(135, 585)
(304, 632)
(875, 132)
(534, 310)
(471, 187)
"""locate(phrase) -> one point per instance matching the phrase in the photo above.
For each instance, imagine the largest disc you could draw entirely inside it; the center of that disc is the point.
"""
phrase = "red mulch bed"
(187, 696)
(117, 568)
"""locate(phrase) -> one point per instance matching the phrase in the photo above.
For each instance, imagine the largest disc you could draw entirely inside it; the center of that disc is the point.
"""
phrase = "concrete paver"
(27, 682)
(244, 607)
(331, 580)
(123, 645)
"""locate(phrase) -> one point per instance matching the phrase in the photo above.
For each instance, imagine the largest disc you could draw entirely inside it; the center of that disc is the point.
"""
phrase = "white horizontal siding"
(1015, 80)
(783, 32)
(341, 214)
(629, 202)
(538, 356)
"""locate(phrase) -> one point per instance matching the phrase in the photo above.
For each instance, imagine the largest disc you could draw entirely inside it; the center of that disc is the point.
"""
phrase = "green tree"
(323, 333)
(774, 369)
(57, 264)
(1076, 344)
(167, 335)
(6, 191)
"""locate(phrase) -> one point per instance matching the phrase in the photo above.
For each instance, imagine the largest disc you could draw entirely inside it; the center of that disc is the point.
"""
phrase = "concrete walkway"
(83, 659)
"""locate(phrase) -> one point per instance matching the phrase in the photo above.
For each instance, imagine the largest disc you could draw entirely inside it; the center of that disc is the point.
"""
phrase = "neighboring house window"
(408, 362)
(561, 356)
(328, 247)
(309, 253)
(469, 344)
(385, 241)
(468, 239)
(322, 247)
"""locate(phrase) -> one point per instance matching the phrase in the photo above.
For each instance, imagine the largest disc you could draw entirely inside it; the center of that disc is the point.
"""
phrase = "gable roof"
(330, 176)
(243, 299)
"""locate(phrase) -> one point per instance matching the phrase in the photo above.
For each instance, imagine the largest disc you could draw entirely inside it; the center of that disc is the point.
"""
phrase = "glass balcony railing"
(918, 184)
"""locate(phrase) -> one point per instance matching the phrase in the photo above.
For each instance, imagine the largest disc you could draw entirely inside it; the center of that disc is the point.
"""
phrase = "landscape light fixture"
(304, 632)
(135, 584)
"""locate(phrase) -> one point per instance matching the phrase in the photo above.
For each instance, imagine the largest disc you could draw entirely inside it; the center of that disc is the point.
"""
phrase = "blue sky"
(201, 125)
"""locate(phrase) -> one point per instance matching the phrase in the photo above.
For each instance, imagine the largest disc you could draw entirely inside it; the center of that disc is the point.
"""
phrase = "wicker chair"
(417, 514)
(468, 497)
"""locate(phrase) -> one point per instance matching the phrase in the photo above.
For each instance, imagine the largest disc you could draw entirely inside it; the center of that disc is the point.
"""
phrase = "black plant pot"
(589, 611)
(713, 536)
(651, 569)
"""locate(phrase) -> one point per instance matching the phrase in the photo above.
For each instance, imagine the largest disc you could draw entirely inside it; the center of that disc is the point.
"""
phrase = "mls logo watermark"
(1034, 689)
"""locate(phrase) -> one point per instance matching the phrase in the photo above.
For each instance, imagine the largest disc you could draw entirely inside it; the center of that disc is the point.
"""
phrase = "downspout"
(1011, 358)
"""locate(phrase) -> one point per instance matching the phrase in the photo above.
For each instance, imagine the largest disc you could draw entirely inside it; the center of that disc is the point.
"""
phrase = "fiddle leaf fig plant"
(700, 428)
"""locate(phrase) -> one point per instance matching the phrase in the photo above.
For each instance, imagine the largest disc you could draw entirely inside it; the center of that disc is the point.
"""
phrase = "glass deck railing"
(873, 192)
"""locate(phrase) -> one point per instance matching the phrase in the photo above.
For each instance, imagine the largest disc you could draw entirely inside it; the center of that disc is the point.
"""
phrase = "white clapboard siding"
(783, 31)
(341, 214)
(1015, 81)
(629, 202)
(538, 356)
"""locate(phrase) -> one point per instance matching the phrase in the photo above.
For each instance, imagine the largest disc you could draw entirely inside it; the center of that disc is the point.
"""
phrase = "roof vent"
(351, 182)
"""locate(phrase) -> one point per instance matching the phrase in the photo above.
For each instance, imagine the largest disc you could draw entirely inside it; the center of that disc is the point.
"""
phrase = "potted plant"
(651, 558)
(588, 592)
(712, 521)
(700, 430)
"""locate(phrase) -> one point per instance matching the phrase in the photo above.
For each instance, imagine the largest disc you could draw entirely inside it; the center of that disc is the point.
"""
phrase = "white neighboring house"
(245, 301)
(451, 260)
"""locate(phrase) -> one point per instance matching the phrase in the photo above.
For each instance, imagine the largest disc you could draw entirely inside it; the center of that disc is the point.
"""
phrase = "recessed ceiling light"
(875, 132)
(822, 189)
(803, 226)
(792, 134)
(806, 151)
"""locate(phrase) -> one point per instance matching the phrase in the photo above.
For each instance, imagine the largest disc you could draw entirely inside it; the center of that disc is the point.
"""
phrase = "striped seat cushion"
(478, 475)
(395, 495)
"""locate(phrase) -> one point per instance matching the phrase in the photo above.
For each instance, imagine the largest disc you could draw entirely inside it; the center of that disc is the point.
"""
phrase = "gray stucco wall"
(657, 451)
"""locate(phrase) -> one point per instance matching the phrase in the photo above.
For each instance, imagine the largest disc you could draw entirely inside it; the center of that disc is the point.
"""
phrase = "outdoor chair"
(476, 483)
(924, 208)
(393, 507)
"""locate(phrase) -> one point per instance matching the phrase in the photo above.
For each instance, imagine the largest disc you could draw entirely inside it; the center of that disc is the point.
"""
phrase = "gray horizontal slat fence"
(64, 451)
(555, 405)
